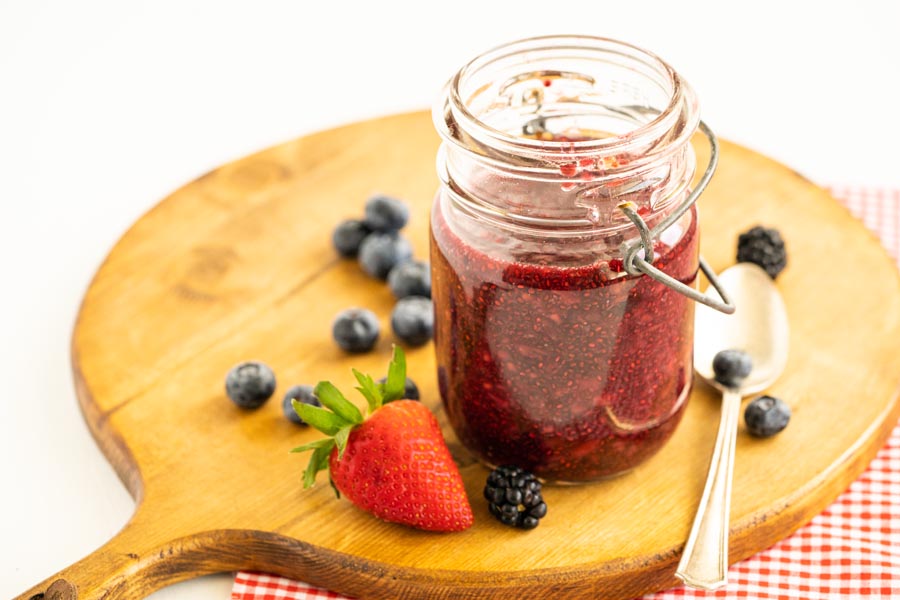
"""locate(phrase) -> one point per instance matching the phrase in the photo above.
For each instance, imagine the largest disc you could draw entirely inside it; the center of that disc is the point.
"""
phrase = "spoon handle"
(704, 562)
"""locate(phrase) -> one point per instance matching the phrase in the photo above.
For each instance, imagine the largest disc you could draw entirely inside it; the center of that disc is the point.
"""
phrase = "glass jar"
(551, 355)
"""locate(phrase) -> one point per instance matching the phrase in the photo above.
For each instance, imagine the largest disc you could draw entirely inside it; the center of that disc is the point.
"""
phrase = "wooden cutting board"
(238, 265)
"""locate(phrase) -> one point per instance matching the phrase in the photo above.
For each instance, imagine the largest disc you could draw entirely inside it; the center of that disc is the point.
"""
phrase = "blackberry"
(515, 497)
(348, 236)
(300, 393)
(410, 389)
(732, 366)
(763, 246)
(765, 416)
(250, 384)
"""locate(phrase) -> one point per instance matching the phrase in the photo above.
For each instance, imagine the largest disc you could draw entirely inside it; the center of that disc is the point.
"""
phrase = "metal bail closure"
(635, 264)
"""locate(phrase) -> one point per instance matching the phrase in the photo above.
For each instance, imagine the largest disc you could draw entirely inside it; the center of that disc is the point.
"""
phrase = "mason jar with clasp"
(565, 255)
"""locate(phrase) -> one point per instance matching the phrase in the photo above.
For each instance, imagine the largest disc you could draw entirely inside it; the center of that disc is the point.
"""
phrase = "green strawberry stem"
(338, 416)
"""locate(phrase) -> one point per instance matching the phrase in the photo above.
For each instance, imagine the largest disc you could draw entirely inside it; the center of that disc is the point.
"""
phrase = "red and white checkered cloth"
(852, 550)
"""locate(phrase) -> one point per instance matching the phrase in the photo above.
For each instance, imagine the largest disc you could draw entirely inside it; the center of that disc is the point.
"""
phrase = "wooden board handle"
(121, 568)
(134, 564)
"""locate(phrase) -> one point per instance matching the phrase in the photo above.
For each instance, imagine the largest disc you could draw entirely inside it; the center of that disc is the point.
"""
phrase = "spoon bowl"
(759, 327)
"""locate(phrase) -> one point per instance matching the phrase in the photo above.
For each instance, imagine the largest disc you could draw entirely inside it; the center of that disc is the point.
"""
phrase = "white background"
(106, 107)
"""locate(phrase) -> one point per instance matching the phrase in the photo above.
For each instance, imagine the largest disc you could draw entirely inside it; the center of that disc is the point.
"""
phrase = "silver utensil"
(759, 327)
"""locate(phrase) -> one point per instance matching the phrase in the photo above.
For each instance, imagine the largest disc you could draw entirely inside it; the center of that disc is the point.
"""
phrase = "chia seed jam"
(562, 370)
(551, 356)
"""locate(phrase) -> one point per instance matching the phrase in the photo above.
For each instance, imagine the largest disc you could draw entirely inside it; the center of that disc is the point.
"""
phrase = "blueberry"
(413, 320)
(384, 213)
(381, 252)
(411, 278)
(765, 416)
(732, 367)
(348, 236)
(356, 330)
(250, 384)
(300, 393)
(410, 389)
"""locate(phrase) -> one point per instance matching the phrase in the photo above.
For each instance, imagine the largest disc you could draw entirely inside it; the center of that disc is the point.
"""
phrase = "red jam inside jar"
(550, 356)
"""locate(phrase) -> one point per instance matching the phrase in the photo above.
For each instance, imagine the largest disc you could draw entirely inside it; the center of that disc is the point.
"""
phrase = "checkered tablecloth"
(852, 550)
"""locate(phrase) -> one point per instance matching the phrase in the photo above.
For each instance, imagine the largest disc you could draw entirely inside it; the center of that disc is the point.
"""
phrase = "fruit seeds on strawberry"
(398, 468)
(393, 464)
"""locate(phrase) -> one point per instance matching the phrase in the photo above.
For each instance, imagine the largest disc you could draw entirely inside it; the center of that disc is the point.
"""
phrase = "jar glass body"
(550, 356)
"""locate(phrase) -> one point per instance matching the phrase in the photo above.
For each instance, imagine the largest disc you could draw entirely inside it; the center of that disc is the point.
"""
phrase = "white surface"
(106, 107)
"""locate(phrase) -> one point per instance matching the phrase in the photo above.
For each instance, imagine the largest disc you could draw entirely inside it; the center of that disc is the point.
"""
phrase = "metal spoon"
(759, 327)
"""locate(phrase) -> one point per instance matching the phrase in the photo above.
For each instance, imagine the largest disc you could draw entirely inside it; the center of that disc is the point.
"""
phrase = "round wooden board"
(239, 265)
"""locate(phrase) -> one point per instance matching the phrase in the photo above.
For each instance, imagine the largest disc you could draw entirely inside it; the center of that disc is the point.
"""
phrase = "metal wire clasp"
(635, 264)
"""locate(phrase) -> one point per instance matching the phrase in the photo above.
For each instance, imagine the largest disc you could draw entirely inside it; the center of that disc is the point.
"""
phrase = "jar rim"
(546, 226)
(452, 103)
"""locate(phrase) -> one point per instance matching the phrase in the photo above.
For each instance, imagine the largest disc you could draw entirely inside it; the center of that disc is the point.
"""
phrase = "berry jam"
(551, 356)
(560, 364)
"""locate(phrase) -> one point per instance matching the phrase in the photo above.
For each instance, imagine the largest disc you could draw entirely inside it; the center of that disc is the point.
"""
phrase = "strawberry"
(393, 463)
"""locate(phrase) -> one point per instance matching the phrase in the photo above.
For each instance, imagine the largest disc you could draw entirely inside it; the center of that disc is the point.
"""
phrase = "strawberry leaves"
(396, 377)
(338, 417)
(340, 438)
(379, 394)
(332, 398)
(371, 390)
(318, 461)
(337, 422)
(325, 421)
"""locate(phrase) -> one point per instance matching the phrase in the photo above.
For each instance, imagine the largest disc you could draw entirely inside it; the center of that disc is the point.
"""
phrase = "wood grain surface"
(238, 265)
